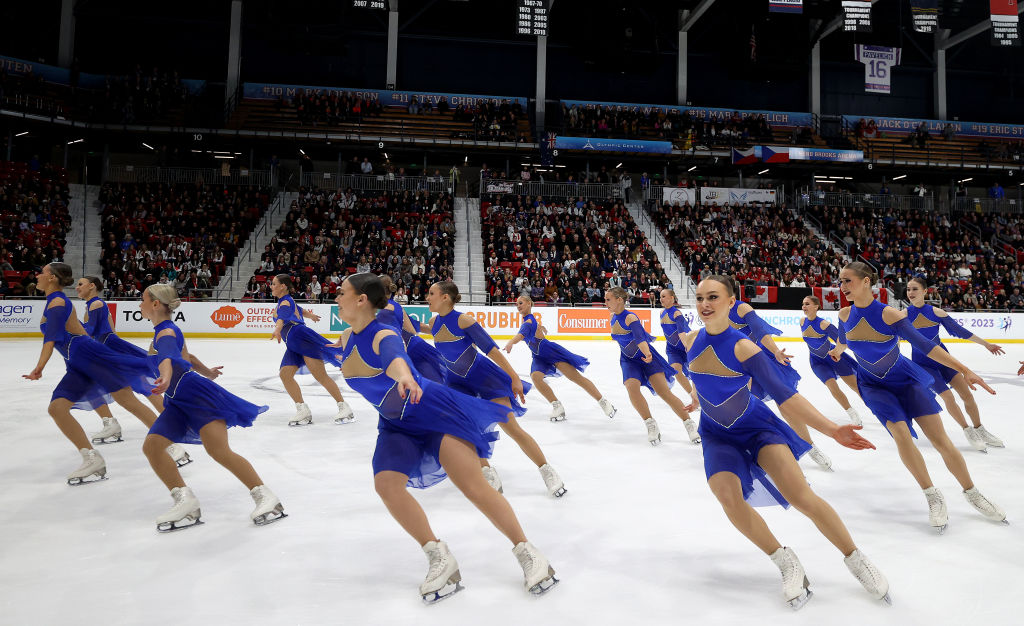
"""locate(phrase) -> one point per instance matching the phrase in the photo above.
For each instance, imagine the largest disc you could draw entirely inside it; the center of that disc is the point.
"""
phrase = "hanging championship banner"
(926, 15)
(878, 63)
(1004, 23)
(785, 6)
(857, 16)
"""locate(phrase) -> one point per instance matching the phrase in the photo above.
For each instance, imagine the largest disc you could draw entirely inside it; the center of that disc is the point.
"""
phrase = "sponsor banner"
(613, 145)
(254, 320)
(786, 6)
(826, 154)
(678, 195)
(62, 75)
(499, 188)
(907, 125)
(784, 119)
(727, 195)
(926, 15)
(878, 63)
(266, 91)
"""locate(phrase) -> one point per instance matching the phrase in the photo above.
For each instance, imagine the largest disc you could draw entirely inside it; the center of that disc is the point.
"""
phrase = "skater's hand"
(846, 436)
(835, 353)
(508, 347)
(994, 349)
(784, 358)
(647, 358)
(407, 386)
(517, 389)
(214, 372)
(1020, 371)
(161, 385)
(276, 335)
(973, 379)
(311, 315)
(693, 406)
(37, 373)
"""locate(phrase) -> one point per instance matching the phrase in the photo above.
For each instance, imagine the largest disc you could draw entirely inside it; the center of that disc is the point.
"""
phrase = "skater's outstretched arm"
(392, 353)
(309, 314)
(761, 332)
(837, 352)
(635, 326)
(756, 363)
(956, 330)
(935, 352)
(210, 372)
(482, 340)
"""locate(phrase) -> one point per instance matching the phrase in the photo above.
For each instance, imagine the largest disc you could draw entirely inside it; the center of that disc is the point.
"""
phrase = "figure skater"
(819, 334)
(674, 324)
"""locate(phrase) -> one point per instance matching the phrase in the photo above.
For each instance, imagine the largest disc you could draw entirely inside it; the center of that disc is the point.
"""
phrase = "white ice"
(638, 539)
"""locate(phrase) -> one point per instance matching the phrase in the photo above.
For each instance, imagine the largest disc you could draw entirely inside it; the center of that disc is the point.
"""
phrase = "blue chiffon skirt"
(115, 343)
(487, 381)
(677, 354)
(904, 394)
(735, 450)
(195, 402)
(94, 371)
(825, 369)
(427, 360)
(303, 341)
(412, 445)
(550, 354)
(941, 375)
(634, 367)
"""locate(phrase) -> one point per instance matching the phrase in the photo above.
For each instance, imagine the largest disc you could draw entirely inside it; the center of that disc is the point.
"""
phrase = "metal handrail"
(375, 182)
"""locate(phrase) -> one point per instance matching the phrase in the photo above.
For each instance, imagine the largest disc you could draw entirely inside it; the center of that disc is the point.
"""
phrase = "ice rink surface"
(638, 538)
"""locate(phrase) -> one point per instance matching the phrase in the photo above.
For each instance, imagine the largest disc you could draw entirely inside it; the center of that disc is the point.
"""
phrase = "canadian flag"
(833, 299)
(765, 294)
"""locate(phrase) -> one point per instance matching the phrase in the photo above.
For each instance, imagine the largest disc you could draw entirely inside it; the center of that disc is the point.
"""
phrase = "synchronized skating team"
(440, 406)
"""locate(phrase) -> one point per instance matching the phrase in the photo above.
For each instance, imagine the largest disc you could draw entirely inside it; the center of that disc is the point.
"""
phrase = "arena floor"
(638, 538)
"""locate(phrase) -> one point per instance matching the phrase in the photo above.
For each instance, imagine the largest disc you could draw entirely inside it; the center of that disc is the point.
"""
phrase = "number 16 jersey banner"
(878, 63)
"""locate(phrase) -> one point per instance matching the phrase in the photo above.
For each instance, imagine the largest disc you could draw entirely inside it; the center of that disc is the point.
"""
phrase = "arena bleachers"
(329, 234)
(566, 251)
(34, 222)
(185, 235)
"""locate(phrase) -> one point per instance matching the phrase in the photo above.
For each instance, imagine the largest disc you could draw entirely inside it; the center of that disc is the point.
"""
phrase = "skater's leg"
(727, 488)
(636, 398)
(797, 424)
(851, 382)
(215, 439)
(526, 443)
(391, 487)
(909, 454)
(319, 372)
(157, 401)
(837, 393)
(459, 459)
(131, 403)
(60, 411)
(103, 411)
(661, 387)
(931, 425)
(681, 379)
(574, 375)
(970, 405)
(953, 408)
(542, 387)
(155, 449)
(779, 463)
(287, 374)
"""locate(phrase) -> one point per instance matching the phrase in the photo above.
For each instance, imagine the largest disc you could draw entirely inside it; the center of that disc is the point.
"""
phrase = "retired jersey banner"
(1004, 23)
(786, 6)
(878, 63)
(926, 15)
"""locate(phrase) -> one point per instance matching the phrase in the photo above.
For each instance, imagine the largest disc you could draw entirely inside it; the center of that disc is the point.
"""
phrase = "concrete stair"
(685, 288)
(469, 254)
(232, 284)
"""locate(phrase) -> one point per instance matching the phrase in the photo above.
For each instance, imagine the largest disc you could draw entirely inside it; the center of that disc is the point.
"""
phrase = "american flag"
(753, 44)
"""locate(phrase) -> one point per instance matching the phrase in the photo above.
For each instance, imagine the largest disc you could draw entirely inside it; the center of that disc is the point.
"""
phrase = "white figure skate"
(443, 577)
(794, 580)
(268, 507)
(93, 469)
(184, 514)
(538, 575)
(111, 432)
(303, 416)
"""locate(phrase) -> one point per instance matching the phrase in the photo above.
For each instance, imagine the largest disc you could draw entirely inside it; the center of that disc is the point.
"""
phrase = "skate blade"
(294, 423)
(798, 602)
(655, 442)
(886, 599)
(613, 413)
(696, 441)
(170, 527)
(558, 493)
(269, 518)
(1004, 521)
(558, 418)
(106, 440)
(344, 420)
(447, 591)
(185, 460)
(940, 529)
(545, 585)
(88, 480)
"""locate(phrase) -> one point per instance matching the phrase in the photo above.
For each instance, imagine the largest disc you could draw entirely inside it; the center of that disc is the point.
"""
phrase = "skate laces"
(935, 503)
(525, 559)
(438, 561)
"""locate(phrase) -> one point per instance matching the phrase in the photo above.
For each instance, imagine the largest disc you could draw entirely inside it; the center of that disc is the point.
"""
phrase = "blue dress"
(301, 340)
(97, 325)
(734, 423)
(755, 329)
(819, 335)
(895, 388)
(409, 435)
(546, 353)
(94, 371)
(674, 323)
(424, 356)
(629, 336)
(469, 371)
(192, 400)
(927, 323)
